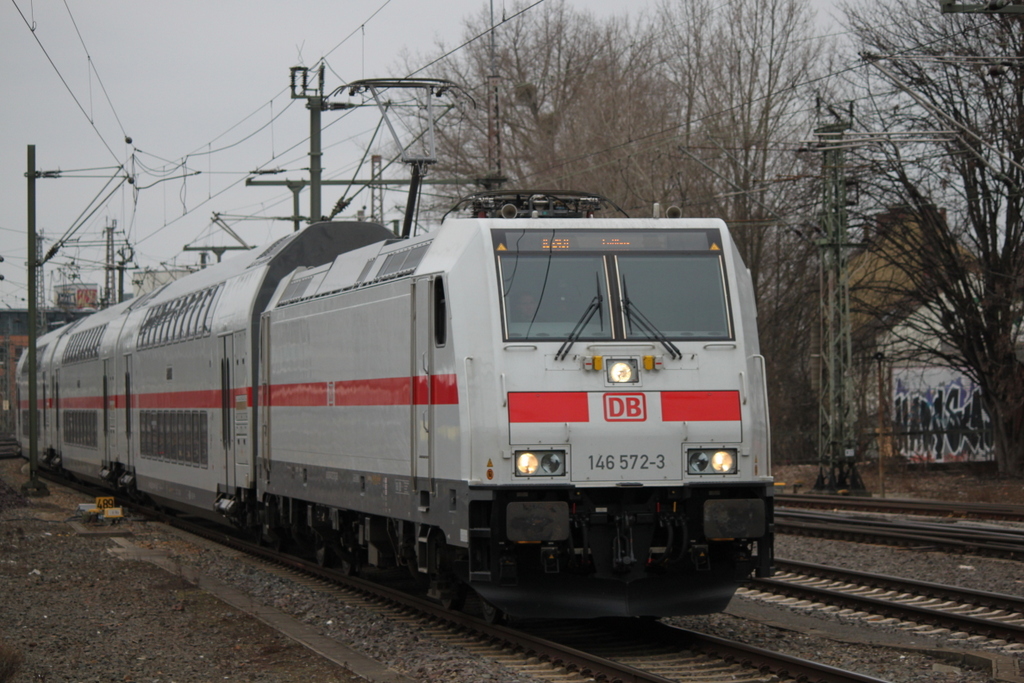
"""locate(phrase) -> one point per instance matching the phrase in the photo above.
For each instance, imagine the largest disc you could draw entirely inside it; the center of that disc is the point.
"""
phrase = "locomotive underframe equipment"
(614, 551)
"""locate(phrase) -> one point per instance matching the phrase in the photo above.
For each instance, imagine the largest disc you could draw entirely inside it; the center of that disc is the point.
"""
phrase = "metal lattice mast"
(836, 439)
(111, 266)
(493, 179)
(376, 191)
(40, 285)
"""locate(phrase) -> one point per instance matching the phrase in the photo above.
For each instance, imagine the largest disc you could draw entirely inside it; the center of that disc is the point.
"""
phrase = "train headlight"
(711, 461)
(622, 371)
(540, 463)
(723, 462)
(526, 464)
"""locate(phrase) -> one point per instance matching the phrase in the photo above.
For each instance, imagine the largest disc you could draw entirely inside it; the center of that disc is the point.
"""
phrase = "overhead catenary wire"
(655, 137)
(74, 228)
(219, 192)
(183, 164)
(92, 68)
(67, 86)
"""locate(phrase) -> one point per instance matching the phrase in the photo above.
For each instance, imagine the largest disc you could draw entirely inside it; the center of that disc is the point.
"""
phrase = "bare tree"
(580, 106)
(745, 75)
(954, 260)
(697, 105)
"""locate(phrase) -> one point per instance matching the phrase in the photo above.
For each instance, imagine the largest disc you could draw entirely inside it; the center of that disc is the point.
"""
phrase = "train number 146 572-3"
(635, 461)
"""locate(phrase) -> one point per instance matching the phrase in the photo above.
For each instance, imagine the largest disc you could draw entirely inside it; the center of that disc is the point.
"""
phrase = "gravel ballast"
(72, 611)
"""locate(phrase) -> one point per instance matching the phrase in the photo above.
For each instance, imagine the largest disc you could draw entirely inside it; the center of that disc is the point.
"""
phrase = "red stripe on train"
(548, 407)
(700, 406)
(676, 406)
(443, 390)
(388, 391)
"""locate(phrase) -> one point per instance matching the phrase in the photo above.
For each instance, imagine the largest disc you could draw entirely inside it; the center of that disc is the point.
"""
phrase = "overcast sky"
(185, 79)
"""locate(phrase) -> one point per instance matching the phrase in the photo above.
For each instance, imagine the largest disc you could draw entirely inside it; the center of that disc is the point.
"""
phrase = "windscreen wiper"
(633, 314)
(581, 324)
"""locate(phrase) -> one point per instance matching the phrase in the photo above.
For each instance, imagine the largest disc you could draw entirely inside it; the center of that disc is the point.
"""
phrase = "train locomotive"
(564, 414)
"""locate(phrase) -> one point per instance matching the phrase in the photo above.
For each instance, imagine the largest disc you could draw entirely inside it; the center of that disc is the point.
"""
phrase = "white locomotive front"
(566, 414)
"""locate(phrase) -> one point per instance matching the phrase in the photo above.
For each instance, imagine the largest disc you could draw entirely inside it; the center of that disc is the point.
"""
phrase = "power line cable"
(358, 29)
(92, 67)
(247, 137)
(88, 118)
(72, 230)
(475, 38)
(654, 137)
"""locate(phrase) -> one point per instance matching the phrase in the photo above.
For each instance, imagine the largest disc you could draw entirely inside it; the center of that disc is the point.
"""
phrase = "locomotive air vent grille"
(271, 251)
(296, 288)
(366, 270)
(396, 264)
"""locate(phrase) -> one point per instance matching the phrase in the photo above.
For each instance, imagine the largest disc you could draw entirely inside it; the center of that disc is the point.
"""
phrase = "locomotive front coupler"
(623, 557)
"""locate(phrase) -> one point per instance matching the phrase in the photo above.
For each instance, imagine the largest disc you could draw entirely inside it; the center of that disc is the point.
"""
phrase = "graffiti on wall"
(938, 416)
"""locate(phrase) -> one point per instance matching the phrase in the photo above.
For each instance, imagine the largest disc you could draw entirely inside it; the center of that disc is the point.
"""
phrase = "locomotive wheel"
(324, 555)
(455, 599)
(269, 539)
(444, 587)
(492, 615)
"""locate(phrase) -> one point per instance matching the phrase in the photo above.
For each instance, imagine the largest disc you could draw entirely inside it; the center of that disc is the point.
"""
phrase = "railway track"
(920, 604)
(604, 650)
(948, 536)
(930, 508)
(626, 650)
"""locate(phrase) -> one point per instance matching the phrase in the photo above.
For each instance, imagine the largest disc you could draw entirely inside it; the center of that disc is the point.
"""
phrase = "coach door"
(57, 432)
(106, 427)
(128, 426)
(422, 388)
(240, 423)
(264, 400)
(227, 432)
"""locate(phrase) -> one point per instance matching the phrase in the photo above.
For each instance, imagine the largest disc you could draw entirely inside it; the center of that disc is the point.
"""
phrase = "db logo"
(625, 407)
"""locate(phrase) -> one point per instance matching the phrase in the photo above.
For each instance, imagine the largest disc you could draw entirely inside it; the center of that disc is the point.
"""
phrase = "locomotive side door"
(422, 388)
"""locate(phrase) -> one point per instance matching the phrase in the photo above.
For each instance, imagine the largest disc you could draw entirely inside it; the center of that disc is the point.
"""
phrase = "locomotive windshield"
(545, 297)
(603, 285)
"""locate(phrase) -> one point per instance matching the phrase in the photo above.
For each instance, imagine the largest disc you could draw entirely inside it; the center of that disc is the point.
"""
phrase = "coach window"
(440, 313)
(193, 314)
(207, 311)
(179, 320)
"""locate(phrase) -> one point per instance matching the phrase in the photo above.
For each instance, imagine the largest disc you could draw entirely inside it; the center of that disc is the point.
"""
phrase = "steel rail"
(1002, 601)
(780, 664)
(906, 611)
(572, 659)
(934, 508)
(1004, 543)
